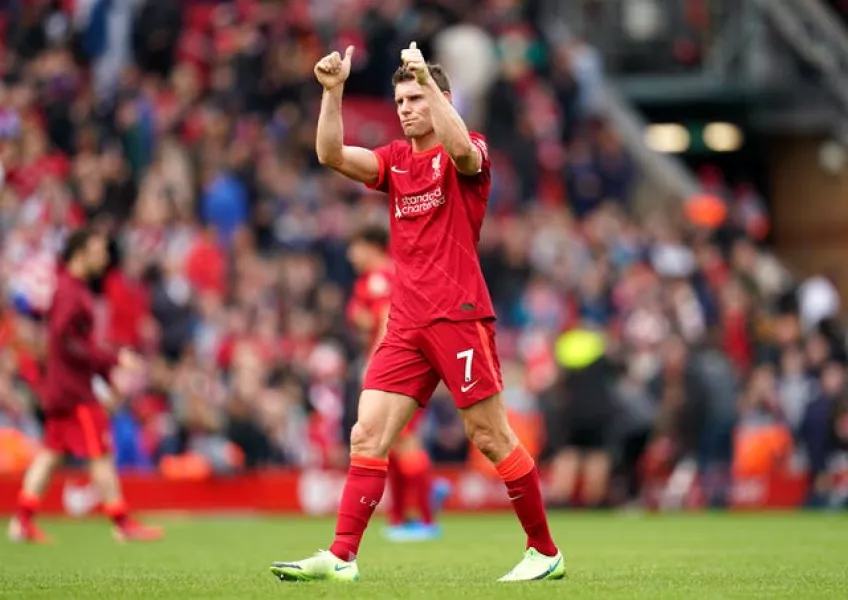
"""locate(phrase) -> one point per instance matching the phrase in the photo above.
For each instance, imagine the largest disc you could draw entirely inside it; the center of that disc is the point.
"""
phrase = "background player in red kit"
(75, 421)
(409, 469)
(441, 321)
(368, 309)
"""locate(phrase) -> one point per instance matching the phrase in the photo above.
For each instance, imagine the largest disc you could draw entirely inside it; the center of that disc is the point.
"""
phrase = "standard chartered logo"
(415, 205)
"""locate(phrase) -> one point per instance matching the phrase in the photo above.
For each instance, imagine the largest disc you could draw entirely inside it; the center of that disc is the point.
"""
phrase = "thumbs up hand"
(333, 70)
(414, 62)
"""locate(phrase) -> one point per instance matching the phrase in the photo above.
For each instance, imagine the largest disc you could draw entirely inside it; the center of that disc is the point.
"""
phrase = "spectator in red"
(206, 264)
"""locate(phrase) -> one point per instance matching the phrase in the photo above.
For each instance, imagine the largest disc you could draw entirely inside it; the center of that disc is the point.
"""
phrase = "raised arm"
(357, 163)
(448, 125)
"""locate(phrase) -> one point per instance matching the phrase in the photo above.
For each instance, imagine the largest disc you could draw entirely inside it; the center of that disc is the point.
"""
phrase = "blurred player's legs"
(397, 492)
(415, 465)
(411, 476)
(105, 478)
(439, 492)
(84, 432)
(22, 527)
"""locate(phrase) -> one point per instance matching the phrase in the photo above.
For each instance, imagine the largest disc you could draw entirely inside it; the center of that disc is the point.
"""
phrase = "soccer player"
(368, 309)
(409, 468)
(75, 421)
(441, 321)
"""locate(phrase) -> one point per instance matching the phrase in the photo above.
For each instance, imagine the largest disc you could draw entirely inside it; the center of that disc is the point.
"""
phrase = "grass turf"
(609, 556)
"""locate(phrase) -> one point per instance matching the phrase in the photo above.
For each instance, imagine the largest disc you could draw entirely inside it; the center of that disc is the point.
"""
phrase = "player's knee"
(366, 440)
(494, 443)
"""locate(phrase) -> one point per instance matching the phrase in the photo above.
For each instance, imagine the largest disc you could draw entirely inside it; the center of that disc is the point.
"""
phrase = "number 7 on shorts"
(468, 355)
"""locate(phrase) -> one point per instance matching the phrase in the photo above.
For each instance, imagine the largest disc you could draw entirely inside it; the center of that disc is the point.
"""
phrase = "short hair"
(437, 72)
(77, 242)
(373, 235)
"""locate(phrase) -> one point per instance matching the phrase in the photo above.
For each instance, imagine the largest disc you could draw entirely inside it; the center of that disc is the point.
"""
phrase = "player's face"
(97, 252)
(412, 109)
(357, 254)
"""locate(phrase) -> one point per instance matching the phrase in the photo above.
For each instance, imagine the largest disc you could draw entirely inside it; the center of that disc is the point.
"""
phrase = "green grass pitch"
(609, 556)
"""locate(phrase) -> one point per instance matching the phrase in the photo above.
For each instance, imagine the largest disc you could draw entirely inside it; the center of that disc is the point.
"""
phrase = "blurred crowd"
(680, 36)
(186, 130)
(653, 36)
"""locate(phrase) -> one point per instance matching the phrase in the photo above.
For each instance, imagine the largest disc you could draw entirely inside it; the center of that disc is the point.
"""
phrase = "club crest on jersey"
(437, 166)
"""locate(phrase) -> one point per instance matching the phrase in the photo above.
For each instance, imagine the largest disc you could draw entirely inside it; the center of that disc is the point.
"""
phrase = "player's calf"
(494, 444)
(381, 416)
(489, 430)
(39, 473)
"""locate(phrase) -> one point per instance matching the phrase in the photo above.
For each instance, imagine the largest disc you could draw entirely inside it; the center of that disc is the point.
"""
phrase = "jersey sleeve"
(479, 142)
(384, 158)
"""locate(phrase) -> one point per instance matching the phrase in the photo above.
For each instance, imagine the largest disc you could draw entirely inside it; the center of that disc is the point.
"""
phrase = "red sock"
(27, 506)
(366, 480)
(397, 492)
(118, 512)
(518, 471)
(423, 484)
(416, 468)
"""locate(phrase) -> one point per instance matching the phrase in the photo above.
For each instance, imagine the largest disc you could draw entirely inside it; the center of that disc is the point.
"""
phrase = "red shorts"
(463, 354)
(83, 432)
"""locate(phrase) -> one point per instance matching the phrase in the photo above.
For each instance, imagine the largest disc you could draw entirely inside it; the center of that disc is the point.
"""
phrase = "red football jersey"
(73, 356)
(372, 292)
(436, 216)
